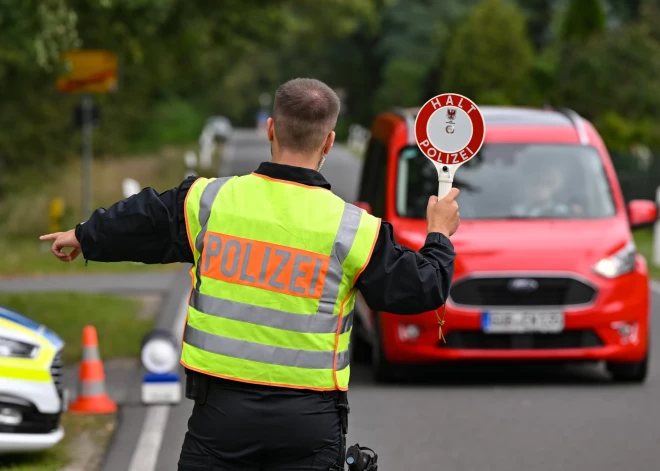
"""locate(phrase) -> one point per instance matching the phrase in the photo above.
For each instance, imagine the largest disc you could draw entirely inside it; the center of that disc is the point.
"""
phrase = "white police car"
(32, 398)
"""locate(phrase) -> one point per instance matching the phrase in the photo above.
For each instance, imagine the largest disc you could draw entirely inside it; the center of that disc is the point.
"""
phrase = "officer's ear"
(328, 142)
(270, 129)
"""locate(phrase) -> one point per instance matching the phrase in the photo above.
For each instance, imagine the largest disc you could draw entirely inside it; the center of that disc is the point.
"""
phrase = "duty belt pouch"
(197, 386)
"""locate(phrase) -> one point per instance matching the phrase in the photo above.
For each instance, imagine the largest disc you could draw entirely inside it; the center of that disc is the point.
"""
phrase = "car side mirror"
(642, 213)
(364, 205)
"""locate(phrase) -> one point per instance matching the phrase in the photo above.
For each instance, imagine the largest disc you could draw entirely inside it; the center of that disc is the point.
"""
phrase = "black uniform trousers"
(247, 427)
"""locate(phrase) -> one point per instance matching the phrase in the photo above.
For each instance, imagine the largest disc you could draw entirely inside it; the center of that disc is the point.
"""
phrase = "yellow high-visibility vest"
(273, 281)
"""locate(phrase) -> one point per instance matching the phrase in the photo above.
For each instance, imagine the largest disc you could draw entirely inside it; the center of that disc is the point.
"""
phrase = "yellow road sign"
(88, 71)
(56, 213)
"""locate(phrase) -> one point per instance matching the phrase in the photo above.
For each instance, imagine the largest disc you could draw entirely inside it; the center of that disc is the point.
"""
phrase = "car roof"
(518, 116)
(504, 123)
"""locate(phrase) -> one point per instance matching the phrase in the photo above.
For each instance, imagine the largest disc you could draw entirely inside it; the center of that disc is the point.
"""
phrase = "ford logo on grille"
(523, 285)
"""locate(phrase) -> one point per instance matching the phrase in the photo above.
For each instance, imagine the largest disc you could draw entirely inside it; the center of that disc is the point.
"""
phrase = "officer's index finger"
(52, 236)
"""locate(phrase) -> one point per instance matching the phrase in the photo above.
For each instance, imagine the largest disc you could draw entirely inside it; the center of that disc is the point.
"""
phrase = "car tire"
(360, 349)
(633, 372)
(383, 370)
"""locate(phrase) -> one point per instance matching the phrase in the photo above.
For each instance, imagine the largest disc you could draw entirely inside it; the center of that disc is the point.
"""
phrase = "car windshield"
(527, 181)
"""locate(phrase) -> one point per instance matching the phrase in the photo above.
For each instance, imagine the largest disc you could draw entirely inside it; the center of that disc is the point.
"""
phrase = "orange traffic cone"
(92, 398)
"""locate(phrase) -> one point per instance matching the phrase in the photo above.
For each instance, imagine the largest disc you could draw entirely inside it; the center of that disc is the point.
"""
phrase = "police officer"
(277, 260)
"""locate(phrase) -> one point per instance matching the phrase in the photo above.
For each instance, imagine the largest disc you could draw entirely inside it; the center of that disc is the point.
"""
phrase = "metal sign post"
(449, 130)
(87, 129)
(87, 72)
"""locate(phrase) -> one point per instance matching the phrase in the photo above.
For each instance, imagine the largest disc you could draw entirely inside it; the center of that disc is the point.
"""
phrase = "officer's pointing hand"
(64, 240)
(442, 214)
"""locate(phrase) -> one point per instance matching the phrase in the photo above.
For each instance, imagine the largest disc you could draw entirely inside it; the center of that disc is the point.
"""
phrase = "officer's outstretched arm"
(148, 227)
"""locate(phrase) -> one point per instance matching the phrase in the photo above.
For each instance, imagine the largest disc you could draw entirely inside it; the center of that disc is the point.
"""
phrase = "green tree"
(583, 18)
(180, 61)
(614, 82)
(625, 10)
(413, 41)
(490, 55)
(539, 15)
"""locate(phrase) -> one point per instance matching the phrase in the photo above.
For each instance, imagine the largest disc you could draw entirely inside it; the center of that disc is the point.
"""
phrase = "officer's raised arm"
(400, 280)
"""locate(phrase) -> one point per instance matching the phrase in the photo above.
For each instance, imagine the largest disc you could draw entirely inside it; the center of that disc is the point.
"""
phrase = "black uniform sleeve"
(148, 227)
(400, 280)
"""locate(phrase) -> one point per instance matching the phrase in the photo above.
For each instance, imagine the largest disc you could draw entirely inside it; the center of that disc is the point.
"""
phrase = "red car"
(546, 266)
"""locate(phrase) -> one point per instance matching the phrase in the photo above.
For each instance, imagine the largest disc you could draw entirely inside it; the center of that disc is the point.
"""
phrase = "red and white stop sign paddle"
(449, 130)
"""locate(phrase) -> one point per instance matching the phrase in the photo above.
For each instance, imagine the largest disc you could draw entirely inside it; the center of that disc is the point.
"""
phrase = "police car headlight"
(618, 264)
(16, 349)
(160, 353)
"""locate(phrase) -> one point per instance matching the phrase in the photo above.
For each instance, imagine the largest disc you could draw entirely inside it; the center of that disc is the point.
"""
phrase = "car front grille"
(476, 340)
(56, 370)
(521, 291)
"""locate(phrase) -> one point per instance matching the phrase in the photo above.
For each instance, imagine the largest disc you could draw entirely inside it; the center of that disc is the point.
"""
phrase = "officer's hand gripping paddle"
(449, 130)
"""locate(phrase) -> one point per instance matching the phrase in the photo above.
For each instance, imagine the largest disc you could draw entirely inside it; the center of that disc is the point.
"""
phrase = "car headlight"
(618, 264)
(16, 349)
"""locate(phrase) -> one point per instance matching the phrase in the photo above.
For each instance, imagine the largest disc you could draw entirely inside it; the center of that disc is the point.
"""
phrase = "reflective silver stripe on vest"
(206, 203)
(233, 310)
(263, 353)
(348, 228)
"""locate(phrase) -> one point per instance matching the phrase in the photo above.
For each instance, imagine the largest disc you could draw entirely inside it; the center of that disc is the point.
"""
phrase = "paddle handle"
(443, 189)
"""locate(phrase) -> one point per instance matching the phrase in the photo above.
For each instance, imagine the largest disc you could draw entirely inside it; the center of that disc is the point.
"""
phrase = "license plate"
(495, 322)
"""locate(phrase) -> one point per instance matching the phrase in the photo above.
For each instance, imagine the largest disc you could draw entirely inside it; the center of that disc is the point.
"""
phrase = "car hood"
(18, 327)
(557, 245)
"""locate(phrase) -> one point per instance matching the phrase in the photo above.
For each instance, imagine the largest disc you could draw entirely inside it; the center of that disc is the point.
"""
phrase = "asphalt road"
(503, 419)
(120, 283)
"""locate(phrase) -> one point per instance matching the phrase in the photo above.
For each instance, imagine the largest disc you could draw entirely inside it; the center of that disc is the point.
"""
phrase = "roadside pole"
(86, 72)
(86, 173)
(656, 233)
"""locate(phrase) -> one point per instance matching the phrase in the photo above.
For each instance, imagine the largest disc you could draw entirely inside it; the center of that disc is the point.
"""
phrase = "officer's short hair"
(305, 111)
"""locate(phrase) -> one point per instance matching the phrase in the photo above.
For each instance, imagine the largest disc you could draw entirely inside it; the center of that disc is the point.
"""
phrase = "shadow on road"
(500, 375)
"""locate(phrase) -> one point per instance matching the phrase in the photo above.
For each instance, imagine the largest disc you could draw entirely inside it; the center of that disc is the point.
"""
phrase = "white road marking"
(146, 452)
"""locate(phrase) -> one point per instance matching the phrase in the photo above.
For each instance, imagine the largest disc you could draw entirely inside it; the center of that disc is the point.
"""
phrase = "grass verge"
(644, 242)
(31, 257)
(85, 440)
(121, 322)
(24, 211)
(117, 320)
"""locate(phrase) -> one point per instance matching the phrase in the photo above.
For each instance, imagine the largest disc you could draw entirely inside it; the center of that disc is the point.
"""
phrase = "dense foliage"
(184, 60)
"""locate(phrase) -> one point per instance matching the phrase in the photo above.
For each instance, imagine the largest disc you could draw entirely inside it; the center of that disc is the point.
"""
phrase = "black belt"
(197, 385)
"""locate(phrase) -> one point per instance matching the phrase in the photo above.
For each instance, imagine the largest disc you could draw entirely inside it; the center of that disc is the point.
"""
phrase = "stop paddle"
(449, 130)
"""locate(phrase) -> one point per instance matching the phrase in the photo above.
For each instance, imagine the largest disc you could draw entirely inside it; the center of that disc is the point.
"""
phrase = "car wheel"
(634, 372)
(360, 350)
(383, 370)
